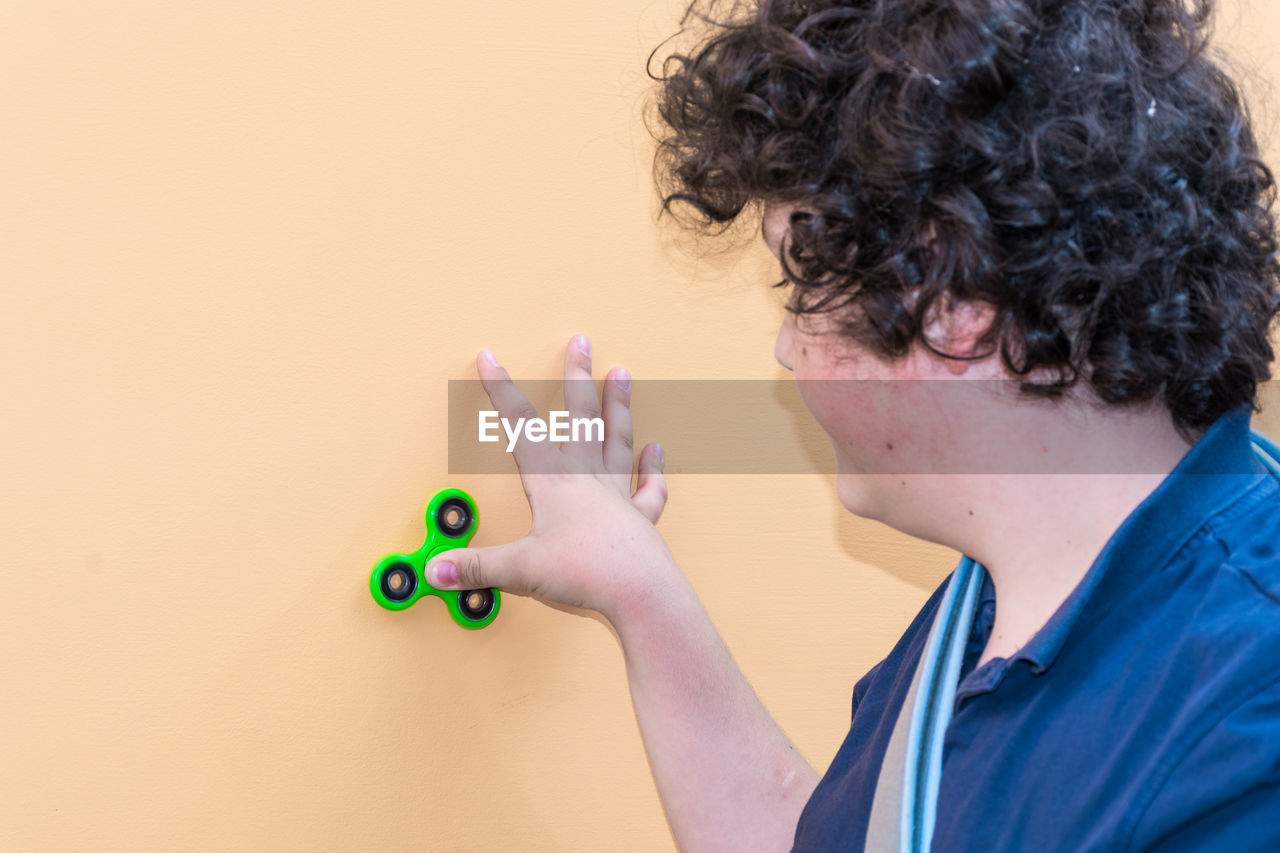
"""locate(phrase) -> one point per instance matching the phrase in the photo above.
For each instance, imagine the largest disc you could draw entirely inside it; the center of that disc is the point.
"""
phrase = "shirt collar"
(1215, 472)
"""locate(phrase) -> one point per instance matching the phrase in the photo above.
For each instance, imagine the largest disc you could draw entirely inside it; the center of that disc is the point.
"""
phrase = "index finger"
(511, 403)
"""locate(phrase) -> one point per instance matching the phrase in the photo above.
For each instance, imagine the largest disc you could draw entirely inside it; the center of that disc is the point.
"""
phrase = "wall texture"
(244, 247)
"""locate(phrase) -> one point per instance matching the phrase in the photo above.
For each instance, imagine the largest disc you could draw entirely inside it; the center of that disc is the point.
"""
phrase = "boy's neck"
(1038, 534)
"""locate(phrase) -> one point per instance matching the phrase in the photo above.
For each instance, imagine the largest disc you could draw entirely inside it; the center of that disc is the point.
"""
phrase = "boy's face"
(880, 419)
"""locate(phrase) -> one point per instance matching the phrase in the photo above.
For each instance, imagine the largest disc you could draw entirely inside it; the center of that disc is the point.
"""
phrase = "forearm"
(728, 776)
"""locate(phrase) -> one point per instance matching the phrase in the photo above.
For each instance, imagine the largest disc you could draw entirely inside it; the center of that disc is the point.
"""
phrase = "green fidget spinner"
(399, 579)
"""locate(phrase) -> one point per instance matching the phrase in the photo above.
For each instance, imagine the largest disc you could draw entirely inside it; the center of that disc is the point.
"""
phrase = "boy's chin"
(857, 493)
(876, 497)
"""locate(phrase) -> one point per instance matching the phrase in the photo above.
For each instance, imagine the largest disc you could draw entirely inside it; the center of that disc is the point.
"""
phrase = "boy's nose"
(782, 347)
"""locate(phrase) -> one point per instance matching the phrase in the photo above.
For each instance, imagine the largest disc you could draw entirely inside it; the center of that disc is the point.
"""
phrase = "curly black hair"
(1084, 167)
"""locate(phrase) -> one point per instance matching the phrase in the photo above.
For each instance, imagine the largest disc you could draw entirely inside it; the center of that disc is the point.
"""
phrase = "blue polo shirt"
(1144, 715)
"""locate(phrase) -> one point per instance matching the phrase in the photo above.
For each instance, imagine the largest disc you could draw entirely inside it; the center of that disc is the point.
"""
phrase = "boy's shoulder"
(1247, 580)
(1217, 782)
(1225, 592)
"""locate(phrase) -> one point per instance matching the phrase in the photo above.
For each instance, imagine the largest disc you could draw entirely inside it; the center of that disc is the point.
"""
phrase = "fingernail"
(583, 345)
(662, 455)
(622, 378)
(489, 357)
(444, 575)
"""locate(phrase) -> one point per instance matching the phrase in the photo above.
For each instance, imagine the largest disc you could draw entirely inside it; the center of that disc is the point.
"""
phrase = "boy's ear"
(955, 327)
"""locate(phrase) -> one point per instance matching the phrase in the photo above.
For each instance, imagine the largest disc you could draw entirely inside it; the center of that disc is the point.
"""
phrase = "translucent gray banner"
(856, 426)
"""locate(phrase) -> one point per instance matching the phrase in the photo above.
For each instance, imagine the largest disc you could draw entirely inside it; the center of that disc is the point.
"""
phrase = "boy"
(1027, 239)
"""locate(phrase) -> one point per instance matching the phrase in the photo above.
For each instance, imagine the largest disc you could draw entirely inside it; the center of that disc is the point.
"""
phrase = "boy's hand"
(592, 543)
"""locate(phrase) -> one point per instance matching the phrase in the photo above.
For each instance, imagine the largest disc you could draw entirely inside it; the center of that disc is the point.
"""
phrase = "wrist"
(662, 620)
(648, 595)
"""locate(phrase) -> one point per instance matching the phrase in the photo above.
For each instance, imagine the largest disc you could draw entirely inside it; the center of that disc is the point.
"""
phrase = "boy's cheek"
(876, 414)
(859, 418)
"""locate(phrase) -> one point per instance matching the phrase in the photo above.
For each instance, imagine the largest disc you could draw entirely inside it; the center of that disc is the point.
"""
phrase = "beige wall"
(244, 247)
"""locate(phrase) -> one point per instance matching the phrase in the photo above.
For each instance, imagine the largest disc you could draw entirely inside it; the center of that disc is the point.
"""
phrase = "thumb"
(476, 568)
